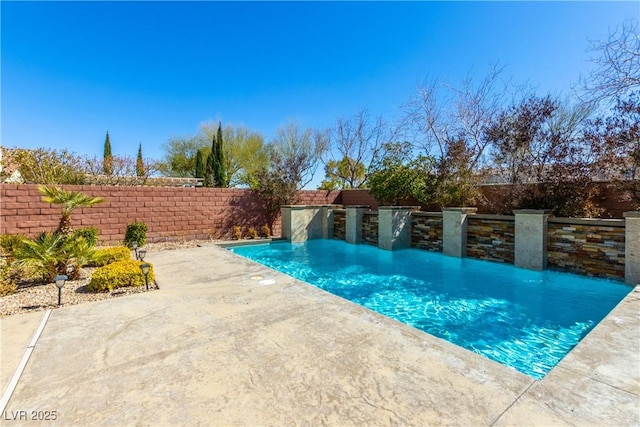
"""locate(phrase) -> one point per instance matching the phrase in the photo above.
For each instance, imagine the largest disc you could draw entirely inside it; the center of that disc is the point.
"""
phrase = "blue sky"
(145, 71)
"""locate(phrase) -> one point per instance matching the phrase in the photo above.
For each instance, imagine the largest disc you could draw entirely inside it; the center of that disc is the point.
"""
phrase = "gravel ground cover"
(43, 297)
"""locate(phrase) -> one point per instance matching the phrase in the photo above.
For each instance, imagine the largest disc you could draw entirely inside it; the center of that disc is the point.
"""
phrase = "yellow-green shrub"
(11, 243)
(117, 275)
(106, 256)
(8, 284)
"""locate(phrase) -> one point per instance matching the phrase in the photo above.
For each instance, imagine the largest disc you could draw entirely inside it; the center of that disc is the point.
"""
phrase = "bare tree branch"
(440, 112)
(617, 64)
(359, 143)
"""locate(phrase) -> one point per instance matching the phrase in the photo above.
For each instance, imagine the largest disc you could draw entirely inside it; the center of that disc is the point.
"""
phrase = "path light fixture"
(145, 270)
(141, 254)
(60, 281)
(134, 246)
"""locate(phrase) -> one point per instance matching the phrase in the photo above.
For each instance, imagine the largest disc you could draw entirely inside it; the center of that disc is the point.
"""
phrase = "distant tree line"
(444, 142)
(50, 166)
(549, 152)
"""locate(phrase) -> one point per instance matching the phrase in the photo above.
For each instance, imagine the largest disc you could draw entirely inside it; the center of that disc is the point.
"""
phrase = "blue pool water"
(525, 319)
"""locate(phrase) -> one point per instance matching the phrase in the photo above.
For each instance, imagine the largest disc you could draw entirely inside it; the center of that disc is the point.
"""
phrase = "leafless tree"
(124, 171)
(617, 64)
(425, 122)
(440, 113)
(358, 143)
(298, 151)
(294, 155)
(449, 123)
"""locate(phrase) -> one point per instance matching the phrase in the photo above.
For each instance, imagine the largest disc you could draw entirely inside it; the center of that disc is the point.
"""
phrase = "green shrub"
(109, 255)
(90, 234)
(117, 275)
(11, 243)
(136, 232)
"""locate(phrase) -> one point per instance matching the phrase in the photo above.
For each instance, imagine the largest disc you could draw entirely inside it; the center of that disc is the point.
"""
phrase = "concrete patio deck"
(214, 347)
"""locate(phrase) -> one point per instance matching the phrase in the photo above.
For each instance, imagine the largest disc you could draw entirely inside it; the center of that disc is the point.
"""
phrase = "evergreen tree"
(199, 173)
(107, 161)
(219, 165)
(139, 162)
(209, 172)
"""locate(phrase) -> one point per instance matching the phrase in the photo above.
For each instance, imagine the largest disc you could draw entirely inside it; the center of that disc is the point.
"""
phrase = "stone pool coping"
(215, 347)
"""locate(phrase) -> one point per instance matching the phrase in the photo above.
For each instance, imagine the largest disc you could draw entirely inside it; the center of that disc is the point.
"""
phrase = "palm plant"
(42, 255)
(69, 200)
(50, 254)
(78, 253)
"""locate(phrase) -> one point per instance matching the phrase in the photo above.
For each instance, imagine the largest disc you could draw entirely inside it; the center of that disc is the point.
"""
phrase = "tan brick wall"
(491, 238)
(171, 213)
(593, 249)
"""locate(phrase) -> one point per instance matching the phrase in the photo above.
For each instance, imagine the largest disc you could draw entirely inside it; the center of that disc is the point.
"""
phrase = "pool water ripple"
(528, 320)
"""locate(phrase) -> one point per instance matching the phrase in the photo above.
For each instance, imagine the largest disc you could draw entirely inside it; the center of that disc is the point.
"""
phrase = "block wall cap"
(632, 214)
(615, 222)
(495, 217)
(462, 210)
(399, 208)
(432, 214)
(532, 211)
(301, 206)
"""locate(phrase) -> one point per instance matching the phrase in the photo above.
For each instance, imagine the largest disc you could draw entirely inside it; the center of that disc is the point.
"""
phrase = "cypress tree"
(107, 160)
(199, 172)
(140, 162)
(209, 171)
(220, 171)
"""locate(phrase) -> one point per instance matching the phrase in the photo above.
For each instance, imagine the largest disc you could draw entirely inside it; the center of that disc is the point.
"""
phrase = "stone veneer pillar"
(454, 231)
(531, 238)
(353, 226)
(301, 223)
(632, 248)
(394, 227)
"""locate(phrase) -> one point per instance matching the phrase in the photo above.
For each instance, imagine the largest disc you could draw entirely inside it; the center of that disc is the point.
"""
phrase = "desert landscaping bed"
(43, 297)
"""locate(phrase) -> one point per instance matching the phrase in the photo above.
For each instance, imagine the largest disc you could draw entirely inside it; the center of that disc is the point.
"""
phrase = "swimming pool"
(528, 320)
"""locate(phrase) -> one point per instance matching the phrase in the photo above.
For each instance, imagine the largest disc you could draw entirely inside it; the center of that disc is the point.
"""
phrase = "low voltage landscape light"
(134, 246)
(141, 254)
(145, 270)
(60, 281)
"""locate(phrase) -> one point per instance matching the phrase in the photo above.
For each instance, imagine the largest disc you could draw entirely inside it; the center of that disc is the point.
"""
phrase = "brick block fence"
(611, 200)
(171, 213)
